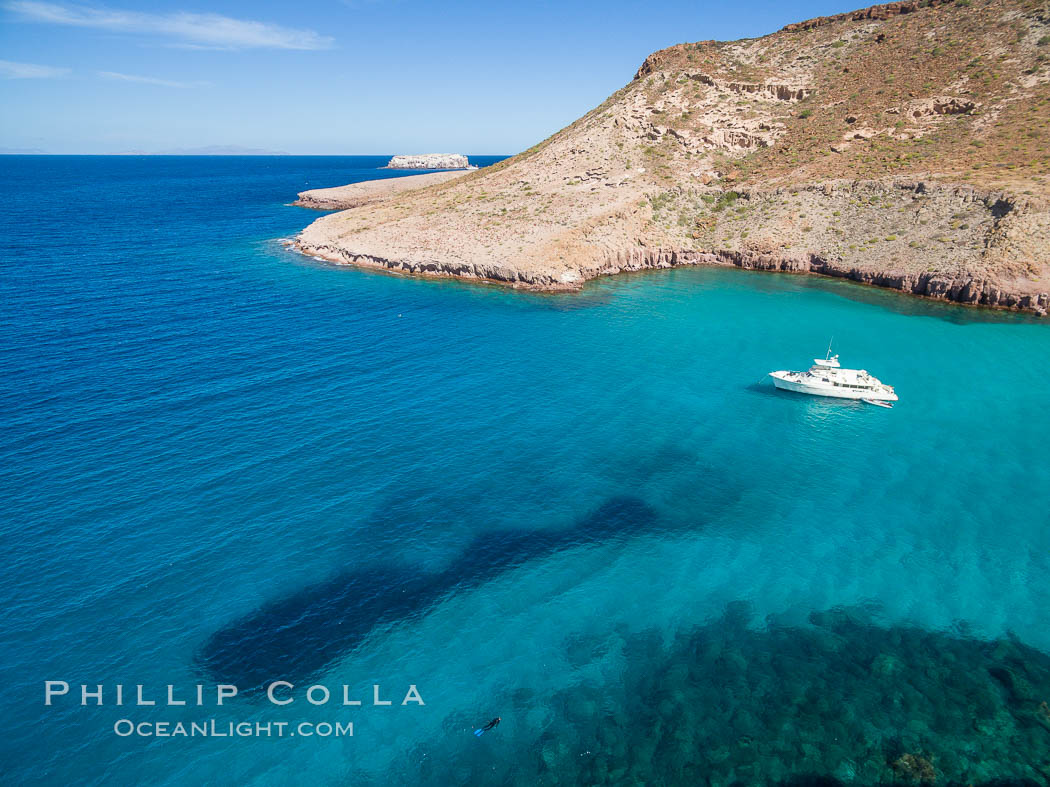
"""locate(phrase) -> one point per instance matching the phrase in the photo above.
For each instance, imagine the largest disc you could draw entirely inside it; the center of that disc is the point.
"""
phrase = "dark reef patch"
(295, 638)
(839, 702)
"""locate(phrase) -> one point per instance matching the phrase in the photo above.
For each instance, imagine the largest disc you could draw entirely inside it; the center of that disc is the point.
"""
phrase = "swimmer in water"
(494, 723)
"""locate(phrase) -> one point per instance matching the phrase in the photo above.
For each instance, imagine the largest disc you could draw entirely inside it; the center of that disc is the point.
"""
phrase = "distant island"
(430, 161)
(208, 150)
(904, 145)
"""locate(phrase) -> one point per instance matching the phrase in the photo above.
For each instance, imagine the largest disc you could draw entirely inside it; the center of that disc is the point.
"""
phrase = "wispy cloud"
(147, 80)
(201, 30)
(12, 70)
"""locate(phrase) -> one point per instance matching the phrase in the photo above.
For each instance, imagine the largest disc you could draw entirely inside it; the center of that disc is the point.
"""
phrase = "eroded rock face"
(778, 91)
(940, 105)
(430, 161)
(878, 12)
(718, 121)
(735, 138)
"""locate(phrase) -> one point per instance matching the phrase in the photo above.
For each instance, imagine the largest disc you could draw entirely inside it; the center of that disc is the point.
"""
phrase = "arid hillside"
(904, 145)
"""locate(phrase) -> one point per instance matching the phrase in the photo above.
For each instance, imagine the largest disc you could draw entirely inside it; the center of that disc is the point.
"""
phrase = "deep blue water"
(221, 462)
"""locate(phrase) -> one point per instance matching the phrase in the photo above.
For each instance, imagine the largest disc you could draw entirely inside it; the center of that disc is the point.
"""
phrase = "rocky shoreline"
(964, 291)
(967, 291)
(992, 228)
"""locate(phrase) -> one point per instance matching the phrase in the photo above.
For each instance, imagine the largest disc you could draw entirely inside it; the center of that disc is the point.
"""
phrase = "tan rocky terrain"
(904, 145)
(357, 194)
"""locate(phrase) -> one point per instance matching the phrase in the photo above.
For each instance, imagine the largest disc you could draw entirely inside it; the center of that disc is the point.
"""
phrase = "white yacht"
(827, 378)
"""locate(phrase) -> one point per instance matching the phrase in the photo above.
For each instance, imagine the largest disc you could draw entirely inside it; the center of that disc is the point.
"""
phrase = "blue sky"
(334, 76)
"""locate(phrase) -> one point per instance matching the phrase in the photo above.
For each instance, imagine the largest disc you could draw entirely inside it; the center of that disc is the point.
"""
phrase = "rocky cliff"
(904, 146)
(430, 161)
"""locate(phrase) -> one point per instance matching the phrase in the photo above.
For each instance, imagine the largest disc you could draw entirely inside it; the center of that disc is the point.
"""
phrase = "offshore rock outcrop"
(430, 161)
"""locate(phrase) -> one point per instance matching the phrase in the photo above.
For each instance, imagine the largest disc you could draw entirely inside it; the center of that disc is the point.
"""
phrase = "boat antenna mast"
(828, 356)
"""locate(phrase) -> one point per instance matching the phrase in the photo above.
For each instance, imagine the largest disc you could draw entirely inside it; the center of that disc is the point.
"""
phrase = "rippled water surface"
(589, 514)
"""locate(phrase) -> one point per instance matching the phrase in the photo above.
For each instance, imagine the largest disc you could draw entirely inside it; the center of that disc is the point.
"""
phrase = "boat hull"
(832, 392)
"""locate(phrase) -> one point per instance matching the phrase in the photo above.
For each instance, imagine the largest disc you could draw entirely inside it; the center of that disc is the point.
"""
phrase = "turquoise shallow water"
(588, 514)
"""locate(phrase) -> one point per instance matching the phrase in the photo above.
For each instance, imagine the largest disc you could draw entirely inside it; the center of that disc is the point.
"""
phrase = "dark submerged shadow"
(831, 781)
(841, 699)
(295, 638)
